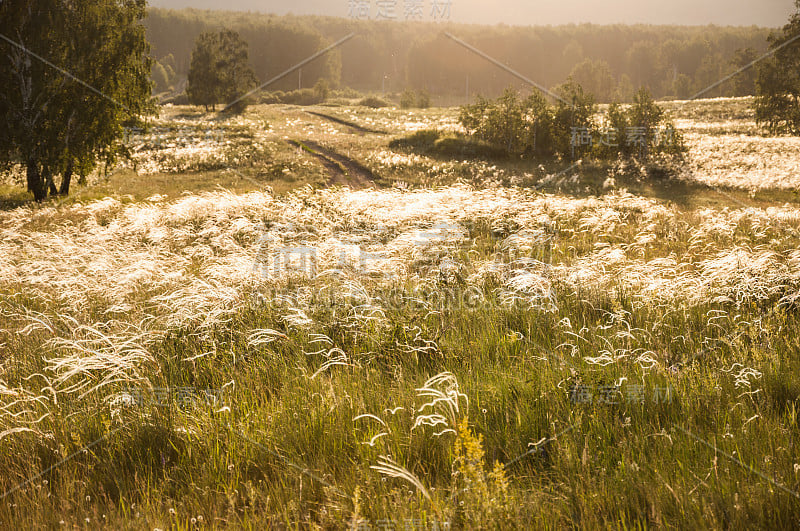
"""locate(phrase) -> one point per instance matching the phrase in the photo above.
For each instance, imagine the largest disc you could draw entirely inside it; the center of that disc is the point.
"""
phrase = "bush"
(346, 93)
(270, 98)
(322, 90)
(295, 97)
(410, 99)
(304, 96)
(160, 78)
(424, 100)
(531, 127)
(373, 102)
(461, 147)
(513, 125)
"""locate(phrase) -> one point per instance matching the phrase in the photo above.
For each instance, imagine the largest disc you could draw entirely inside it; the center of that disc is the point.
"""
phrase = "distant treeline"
(609, 61)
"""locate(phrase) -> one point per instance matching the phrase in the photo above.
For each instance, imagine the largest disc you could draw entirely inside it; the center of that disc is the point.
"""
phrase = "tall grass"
(355, 379)
(490, 358)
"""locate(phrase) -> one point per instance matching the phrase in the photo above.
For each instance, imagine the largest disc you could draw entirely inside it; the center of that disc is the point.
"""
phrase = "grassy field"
(278, 321)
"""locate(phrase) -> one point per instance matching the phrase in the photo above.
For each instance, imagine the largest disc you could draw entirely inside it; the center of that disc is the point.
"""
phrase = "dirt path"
(359, 128)
(341, 170)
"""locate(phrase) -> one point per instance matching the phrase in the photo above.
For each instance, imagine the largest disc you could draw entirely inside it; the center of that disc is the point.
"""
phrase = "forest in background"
(611, 62)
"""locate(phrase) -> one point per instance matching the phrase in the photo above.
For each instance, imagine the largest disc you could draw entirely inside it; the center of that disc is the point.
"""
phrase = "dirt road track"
(341, 170)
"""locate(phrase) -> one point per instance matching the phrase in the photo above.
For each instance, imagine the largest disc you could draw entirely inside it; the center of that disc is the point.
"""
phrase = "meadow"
(277, 320)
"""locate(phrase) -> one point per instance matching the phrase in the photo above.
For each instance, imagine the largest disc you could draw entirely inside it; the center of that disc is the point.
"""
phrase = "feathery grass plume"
(388, 467)
(446, 398)
(95, 359)
(370, 416)
(334, 357)
(264, 337)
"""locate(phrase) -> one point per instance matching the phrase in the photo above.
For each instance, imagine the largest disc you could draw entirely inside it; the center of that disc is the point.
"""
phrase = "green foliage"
(408, 99)
(514, 125)
(420, 140)
(423, 99)
(54, 124)
(301, 97)
(418, 56)
(744, 83)
(682, 86)
(373, 102)
(411, 98)
(531, 127)
(596, 77)
(220, 71)
(169, 63)
(160, 77)
(483, 497)
(203, 88)
(322, 90)
(646, 130)
(777, 103)
(275, 43)
(574, 111)
(304, 96)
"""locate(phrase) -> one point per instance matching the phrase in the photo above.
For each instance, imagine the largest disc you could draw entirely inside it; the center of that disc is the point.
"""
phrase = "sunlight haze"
(772, 13)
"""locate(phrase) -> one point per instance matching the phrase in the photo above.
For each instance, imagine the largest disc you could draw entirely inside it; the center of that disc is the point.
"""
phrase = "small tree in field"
(574, 112)
(531, 128)
(777, 101)
(644, 118)
(219, 71)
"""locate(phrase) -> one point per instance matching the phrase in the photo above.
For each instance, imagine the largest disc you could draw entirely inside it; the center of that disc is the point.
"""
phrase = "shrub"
(322, 90)
(514, 125)
(484, 498)
(373, 102)
(411, 99)
(304, 96)
(423, 99)
(531, 127)
(408, 99)
(270, 98)
(346, 93)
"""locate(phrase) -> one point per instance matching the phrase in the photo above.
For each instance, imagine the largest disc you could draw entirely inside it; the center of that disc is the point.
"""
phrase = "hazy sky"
(772, 13)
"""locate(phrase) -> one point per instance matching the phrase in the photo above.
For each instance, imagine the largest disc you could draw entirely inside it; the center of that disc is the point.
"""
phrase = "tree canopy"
(74, 73)
(778, 83)
(219, 71)
(672, 61)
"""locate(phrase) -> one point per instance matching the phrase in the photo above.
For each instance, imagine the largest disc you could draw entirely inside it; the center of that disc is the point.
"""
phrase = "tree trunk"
(66, 180)
(51, 185)
(36, 184)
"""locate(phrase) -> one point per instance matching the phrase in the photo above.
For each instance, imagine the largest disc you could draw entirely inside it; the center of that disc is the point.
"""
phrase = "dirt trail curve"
(341, 169)
(351, 125)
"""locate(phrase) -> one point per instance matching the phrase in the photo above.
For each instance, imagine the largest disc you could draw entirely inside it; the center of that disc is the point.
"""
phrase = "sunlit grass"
(587, 341)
